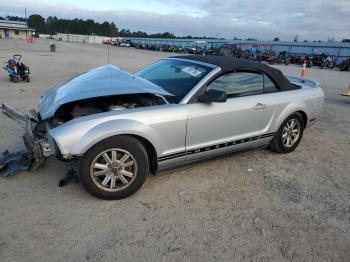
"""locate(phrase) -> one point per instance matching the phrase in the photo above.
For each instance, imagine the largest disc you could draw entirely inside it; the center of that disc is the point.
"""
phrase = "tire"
(93, 182)
(28, 79)
(279, 144)
(15, 79)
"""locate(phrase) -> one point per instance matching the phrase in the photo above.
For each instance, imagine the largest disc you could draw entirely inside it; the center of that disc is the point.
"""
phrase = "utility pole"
(110, 37)
(25, 15)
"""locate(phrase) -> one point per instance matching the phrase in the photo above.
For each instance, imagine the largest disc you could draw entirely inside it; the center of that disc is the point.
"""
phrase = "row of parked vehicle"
(118, 41)
(199, 48)
(319, 60)
(233, 50)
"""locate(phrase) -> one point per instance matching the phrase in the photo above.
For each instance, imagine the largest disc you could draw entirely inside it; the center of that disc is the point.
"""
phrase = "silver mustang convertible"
(179, 110)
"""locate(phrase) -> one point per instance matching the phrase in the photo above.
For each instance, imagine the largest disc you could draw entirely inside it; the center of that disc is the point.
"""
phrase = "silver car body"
(185, 132)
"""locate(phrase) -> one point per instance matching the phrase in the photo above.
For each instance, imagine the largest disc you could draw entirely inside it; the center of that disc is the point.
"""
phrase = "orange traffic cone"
(348, 94)
(302, 74)
(30, 39)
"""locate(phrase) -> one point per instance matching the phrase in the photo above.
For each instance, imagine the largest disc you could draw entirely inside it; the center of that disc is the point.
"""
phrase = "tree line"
(13, 18)
(53, 25)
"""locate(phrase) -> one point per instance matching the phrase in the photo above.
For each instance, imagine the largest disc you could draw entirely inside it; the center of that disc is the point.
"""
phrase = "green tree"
(114, 29)
(37, 22)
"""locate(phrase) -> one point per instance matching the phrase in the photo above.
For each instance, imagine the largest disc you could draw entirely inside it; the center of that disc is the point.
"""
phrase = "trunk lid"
(301, 81)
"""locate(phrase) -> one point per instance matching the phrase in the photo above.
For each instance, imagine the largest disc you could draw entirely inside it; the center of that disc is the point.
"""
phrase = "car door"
(216, 128)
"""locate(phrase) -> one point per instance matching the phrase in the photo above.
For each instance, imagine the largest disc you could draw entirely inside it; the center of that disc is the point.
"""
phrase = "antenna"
(110, 39)
(108, 53)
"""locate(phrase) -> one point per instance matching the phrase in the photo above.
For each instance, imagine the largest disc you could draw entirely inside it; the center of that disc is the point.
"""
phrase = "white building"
(14, 29)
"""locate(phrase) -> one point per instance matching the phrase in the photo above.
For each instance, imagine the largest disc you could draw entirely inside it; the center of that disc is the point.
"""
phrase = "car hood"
(102, 81)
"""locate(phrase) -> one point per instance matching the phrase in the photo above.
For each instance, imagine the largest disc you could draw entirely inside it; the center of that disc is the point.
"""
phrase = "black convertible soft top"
(229, 64)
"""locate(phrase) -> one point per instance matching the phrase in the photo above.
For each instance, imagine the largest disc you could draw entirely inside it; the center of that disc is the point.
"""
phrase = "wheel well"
(303, 114)
(151, 153)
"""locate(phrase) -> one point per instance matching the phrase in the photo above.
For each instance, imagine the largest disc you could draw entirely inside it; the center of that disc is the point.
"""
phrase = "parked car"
(117, 127)
(107, 41)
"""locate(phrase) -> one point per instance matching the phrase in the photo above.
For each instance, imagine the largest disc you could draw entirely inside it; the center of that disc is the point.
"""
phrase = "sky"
(262, 19)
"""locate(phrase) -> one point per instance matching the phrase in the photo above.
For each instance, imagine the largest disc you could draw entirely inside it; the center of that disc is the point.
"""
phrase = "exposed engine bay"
(97, 105)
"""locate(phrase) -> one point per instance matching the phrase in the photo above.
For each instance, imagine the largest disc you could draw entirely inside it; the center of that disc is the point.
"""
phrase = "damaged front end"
(98, 91)
(37, 145)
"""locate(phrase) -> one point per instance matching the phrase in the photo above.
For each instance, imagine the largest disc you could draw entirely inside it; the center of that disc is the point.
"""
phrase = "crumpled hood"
(102, 81)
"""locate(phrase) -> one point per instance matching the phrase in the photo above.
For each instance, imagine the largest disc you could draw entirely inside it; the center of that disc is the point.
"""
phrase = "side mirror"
(213, 95)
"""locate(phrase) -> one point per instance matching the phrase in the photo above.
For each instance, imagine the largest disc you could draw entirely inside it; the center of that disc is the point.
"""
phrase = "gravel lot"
(293, 207)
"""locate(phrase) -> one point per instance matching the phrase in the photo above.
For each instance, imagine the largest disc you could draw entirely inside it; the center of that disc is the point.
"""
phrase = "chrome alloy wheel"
(113, 170)
(291, 132)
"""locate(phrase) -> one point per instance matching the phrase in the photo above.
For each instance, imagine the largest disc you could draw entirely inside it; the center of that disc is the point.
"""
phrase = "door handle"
(259, 106)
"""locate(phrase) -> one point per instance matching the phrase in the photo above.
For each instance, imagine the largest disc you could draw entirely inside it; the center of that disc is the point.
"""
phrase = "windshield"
(175, 76)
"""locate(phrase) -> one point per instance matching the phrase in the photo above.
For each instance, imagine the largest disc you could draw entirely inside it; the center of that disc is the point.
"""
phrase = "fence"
(90, 39)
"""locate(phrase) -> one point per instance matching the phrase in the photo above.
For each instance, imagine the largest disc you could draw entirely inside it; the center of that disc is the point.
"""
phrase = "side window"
(269, 85)
(239, 84)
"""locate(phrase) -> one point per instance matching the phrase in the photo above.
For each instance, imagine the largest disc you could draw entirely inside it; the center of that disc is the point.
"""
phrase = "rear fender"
(289, 110)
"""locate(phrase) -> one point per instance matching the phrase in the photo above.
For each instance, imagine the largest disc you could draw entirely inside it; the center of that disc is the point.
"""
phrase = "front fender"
(77, 138)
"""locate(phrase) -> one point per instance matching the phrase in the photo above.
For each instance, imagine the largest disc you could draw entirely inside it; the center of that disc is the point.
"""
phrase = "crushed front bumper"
(38, 148)
(37, 145)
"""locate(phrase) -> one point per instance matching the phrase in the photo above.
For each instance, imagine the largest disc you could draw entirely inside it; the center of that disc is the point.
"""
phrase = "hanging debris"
(10, 164)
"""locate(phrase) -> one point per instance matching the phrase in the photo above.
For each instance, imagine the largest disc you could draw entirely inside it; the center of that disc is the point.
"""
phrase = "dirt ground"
(250, 206)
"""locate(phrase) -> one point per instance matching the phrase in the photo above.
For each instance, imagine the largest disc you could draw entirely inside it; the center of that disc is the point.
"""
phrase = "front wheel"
(114, 168)
(288, 135)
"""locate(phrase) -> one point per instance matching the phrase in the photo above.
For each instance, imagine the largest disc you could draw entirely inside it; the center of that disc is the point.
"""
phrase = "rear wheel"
(115, 168)
(289, 134)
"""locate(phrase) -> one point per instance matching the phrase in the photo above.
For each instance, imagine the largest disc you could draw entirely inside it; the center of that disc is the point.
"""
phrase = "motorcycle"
(16, 69)
(278, 59)
(328, 62)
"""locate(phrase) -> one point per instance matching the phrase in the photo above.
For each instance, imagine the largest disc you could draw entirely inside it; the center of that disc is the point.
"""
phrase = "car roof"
(229, 64)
